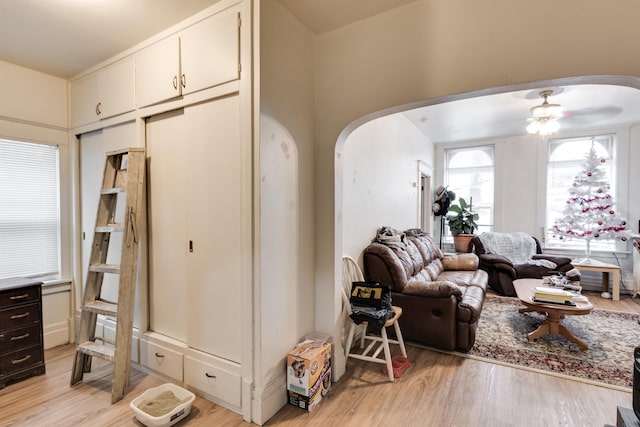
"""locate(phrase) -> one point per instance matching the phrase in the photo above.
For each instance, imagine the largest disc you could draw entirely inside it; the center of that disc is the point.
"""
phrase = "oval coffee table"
(554, 312)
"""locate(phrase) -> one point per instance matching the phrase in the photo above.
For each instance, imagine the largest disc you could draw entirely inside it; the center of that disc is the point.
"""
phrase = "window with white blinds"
(29, 214)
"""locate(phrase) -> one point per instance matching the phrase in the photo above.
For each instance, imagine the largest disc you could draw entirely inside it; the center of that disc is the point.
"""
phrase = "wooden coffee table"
(554, 312)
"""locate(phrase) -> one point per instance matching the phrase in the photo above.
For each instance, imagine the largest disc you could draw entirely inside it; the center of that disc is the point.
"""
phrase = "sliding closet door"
(219, 219)
(167, 172)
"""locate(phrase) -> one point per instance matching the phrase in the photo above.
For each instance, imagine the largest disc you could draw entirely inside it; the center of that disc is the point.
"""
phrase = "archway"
(342, 175)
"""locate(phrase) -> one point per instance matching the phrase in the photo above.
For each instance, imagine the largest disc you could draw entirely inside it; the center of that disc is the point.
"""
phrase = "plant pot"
(462, 242)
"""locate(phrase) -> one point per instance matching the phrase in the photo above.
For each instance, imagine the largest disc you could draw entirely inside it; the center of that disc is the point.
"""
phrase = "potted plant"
(462, 225)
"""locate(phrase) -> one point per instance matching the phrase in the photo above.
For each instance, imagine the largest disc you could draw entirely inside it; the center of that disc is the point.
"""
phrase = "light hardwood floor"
(439, 390)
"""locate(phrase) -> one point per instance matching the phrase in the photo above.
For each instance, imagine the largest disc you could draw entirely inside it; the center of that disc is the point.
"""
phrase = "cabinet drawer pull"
(98, 108)
(24, 359)
(23, 296)
(20, 337)
(159, 355)
(183, 80)
(175, 82)
(19, 316)
(208, 375)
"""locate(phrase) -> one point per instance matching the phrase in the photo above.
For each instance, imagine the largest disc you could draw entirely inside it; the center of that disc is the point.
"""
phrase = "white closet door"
(219, 216)
(93, 149)
(167, 218)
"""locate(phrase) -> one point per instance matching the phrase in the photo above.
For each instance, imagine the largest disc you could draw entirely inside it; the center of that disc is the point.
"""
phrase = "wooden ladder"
(123, 173)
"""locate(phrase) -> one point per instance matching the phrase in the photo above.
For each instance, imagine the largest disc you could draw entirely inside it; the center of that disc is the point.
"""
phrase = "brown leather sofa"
(441, 296)
(502, 272)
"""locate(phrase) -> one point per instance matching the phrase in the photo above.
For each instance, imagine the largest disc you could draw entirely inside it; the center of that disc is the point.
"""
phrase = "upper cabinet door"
(104, 93)
(84, 100)
(117, 89)
(210, 51)
(158, 72)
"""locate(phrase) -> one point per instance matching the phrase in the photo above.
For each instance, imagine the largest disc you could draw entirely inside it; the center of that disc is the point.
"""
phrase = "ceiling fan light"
(533, 127)
(547, 127)
(544, 117)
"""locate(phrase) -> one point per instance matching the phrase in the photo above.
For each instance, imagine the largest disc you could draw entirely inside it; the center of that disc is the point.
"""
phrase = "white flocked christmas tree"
(589, 213)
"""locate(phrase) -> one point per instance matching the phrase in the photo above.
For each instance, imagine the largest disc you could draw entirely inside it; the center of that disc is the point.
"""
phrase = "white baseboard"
(269, 400)
(56, 334)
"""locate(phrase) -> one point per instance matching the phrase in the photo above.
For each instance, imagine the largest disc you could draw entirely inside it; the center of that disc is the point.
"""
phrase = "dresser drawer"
(212, 378)
(19, 296)
(161, 359)
(20, 359)
(19, 316)
(15, 339)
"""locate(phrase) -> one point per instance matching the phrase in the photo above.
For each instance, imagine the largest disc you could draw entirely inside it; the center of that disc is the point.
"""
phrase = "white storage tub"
(176, 414)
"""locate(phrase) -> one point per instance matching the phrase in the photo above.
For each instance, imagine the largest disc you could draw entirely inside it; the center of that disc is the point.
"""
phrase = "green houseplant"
(462, 224)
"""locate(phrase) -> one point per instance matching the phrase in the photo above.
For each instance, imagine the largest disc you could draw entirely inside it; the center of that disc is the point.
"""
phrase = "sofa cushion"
(436, 289)
(466, 262)
(476, 278)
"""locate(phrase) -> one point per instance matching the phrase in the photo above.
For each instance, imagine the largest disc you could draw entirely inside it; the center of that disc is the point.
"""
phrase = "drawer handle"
(20, 337)
(159, 355)
(19, 316)
(209, 375)
(24, 359)
(23, 296)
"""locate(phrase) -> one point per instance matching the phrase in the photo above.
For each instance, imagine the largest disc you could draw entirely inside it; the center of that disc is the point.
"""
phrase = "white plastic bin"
(176, 414)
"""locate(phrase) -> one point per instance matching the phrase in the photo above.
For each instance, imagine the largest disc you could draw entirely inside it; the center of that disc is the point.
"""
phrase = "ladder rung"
(102, 351)
(105, 268)
(110, 228)
(102, 307)
(113, 190)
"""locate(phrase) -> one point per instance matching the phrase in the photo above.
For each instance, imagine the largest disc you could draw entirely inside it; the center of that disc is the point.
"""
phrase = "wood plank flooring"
(439, 390)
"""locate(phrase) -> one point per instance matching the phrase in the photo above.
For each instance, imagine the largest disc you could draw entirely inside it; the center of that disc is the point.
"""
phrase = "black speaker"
(636, 381)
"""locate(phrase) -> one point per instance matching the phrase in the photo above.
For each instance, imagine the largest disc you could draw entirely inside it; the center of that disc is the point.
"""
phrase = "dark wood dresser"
(21, 343)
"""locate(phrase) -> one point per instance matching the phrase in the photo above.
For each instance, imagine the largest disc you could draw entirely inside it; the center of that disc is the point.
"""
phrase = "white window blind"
(29, 219)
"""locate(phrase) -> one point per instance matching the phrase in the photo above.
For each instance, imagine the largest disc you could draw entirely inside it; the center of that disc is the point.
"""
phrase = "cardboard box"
(306, 364)
(309, 403)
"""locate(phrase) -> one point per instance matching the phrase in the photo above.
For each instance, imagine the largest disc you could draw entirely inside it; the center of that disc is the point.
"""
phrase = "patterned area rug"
(612, 336)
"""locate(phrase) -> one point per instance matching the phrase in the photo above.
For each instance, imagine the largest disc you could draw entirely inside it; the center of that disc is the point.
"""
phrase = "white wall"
(287, 284)
(380, 180)
(33, 108)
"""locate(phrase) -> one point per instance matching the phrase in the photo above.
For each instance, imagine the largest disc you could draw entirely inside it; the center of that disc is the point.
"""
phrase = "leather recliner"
(502, 272)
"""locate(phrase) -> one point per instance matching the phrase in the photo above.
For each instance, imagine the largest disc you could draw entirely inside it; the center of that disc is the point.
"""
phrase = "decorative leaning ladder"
(123, 173)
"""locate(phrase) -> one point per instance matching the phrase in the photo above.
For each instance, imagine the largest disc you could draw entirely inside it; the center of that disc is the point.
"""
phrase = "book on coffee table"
(553, 295)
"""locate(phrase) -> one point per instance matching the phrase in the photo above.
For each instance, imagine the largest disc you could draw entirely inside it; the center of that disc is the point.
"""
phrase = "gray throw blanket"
(391, 237)
(519, 248)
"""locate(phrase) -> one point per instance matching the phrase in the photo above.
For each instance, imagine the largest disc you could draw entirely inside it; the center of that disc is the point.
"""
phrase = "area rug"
(502, 337)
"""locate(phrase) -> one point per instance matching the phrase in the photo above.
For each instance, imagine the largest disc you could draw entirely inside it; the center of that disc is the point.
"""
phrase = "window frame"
(620, 152)
(54, 135)
(448, 154)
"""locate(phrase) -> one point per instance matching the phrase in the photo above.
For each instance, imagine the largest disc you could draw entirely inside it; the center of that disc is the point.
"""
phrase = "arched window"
(469, 172)
(566, 158)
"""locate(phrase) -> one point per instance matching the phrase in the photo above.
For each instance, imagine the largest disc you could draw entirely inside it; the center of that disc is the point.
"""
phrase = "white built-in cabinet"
(203, 55)
(199, 220)
(103, 94)
(198, 186)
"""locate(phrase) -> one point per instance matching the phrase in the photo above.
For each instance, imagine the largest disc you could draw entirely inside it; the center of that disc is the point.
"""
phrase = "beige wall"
(32, 96)
(435, 48)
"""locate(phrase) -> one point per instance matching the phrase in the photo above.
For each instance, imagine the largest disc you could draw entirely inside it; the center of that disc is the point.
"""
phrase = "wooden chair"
(351, 273)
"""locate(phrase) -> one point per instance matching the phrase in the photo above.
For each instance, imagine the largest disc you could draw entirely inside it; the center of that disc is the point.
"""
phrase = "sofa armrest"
(497, 263)
(557, 260)
(436, 289)
(466, 262)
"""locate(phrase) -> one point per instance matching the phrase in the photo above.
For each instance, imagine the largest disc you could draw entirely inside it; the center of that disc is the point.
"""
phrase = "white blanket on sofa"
(519, 248)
